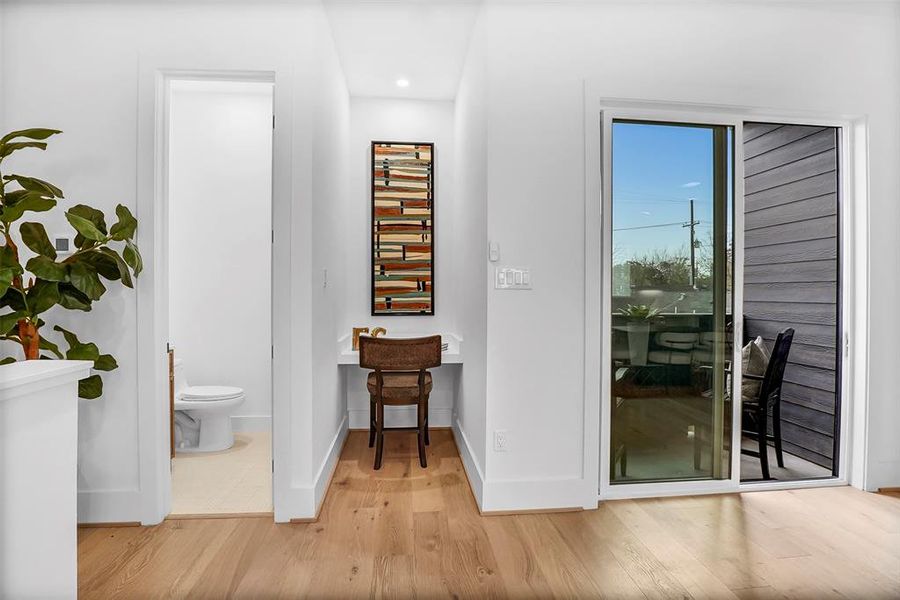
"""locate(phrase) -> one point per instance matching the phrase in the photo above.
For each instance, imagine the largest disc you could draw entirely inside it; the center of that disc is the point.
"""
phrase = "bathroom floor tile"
(237, 480)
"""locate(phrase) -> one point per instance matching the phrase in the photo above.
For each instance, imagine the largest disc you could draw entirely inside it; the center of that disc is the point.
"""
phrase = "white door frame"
(599, 114)
(152, 286)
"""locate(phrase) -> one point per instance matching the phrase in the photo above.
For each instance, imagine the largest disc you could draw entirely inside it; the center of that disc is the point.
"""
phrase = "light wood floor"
(408, 532)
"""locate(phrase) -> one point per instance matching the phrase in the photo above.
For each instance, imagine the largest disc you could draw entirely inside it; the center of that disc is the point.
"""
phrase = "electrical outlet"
(501, 440)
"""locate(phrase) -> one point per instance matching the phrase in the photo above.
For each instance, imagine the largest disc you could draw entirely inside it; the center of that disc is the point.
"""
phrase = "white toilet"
(203, 414)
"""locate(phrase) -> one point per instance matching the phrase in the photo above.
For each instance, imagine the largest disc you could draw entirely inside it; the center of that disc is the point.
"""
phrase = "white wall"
(331, 135)
(389, 119)
(94, 53)
(827, 57)
(220, 251)
(470, 293)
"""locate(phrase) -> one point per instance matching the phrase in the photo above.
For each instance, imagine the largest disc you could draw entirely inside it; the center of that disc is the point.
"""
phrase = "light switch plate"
(494, 252)
(63, 243)
(512, 278)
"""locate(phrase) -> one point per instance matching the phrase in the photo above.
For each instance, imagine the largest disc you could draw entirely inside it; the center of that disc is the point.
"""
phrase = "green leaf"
(84, 227)
(92, 214)
(8, 360)
(14, 299)
(106, 362)
(90, 388)
(35, 133)
(120, 264)
(10, 147)
(8, 260)
(72, 299)
(126, 225)
(42, 296)
(35, 185)
(33, 201)
(78, 350)
(35, 237)
(46, 268)
(45, 344)
(71, 338)
(132, 257)
(85, 279)
(100, 260)
(6, 276)
(8, 321)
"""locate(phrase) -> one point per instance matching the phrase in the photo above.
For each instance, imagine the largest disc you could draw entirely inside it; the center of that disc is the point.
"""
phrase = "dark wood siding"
(791, 271)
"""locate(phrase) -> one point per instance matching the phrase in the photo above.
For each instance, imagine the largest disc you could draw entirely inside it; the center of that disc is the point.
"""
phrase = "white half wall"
(220, 250)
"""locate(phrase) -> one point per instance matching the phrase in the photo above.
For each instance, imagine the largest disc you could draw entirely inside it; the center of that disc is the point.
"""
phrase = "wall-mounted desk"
(451, 356)
(443, 395)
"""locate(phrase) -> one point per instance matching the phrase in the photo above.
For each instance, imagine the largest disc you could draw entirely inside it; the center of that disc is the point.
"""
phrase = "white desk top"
(451, 356)
(27, 372)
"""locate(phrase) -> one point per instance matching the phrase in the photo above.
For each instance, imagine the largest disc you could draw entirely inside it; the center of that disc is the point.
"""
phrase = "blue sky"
(657, 169)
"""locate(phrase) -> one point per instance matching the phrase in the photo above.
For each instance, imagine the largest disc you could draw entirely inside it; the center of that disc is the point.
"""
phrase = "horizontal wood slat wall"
(791, 271)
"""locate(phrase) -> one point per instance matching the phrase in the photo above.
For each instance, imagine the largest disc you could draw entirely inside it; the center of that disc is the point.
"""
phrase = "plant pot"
(638, 342)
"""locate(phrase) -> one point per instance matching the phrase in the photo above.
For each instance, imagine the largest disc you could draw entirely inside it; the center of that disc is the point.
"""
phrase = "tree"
(75, 282)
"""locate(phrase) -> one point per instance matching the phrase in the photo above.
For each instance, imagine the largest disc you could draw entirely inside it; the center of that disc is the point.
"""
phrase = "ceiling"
(424, 42)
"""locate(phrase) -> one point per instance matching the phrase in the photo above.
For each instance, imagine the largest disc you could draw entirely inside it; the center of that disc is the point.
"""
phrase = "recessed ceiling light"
(403, 83)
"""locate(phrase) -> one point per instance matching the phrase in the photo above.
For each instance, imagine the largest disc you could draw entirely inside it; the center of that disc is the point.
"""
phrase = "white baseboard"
(470, 464)
(253, 423)
(401, 416)
(109, 506)
(303, 502)
(533, 494)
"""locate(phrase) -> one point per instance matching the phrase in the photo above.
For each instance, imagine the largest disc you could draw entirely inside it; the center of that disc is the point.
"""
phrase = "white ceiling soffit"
(423, 42)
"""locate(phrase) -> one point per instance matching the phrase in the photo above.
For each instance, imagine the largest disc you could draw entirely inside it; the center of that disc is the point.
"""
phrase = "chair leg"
(371, 422)
(420, 411)
(623, 461)
(379, 433)
(776, 430)
(427, 438)
(698, 446)
(763, 445)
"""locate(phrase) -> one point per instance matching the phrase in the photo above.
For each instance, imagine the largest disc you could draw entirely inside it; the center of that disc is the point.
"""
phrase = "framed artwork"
(402, 228)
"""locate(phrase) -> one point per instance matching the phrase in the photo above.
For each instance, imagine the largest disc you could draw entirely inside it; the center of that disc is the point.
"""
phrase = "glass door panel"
(671, 341)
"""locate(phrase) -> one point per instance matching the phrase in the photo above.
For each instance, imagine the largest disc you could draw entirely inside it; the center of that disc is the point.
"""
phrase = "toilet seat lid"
(210, 392)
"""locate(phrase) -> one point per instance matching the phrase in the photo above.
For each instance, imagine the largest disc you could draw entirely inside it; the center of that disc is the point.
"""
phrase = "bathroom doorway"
(219, 182)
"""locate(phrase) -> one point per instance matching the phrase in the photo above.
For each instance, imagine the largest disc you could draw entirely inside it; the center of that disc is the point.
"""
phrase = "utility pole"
(693, 225)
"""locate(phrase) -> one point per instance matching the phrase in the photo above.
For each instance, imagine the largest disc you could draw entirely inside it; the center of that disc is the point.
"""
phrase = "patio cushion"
(754, 360)
(676, 340)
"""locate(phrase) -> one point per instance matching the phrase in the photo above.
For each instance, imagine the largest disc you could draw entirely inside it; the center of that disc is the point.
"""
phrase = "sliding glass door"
(670, 329)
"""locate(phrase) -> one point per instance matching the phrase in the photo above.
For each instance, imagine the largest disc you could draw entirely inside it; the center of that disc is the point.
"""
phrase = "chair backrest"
(770, 390)
(399, 354)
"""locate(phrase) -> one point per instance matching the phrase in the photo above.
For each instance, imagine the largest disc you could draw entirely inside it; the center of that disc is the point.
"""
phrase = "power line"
(680, 223)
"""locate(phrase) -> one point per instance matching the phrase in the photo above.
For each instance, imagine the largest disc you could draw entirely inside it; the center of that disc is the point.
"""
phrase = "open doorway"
(220, 280)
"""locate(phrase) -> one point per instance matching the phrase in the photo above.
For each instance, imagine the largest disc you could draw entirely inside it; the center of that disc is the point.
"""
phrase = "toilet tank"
(180, 379)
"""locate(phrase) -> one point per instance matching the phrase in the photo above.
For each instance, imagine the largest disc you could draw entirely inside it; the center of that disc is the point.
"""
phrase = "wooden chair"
(756, 412)
(399, 378)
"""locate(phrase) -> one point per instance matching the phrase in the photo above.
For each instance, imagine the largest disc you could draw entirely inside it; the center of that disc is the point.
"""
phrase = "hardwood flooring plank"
(408, 532)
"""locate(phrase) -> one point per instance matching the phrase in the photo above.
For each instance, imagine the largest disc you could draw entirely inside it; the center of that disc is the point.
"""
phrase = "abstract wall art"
(402, 228)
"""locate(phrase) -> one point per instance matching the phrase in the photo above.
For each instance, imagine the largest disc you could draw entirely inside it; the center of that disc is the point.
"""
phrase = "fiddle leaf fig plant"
(45, 280)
